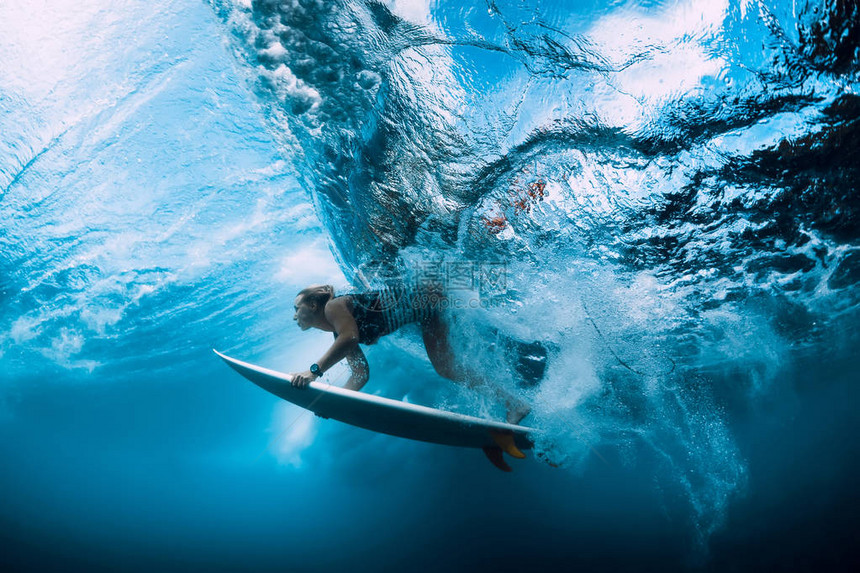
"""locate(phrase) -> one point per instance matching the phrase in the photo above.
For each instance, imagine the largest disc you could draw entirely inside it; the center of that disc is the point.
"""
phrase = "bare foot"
(517, 412)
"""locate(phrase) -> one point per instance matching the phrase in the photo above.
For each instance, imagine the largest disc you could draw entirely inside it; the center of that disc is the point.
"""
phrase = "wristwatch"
(315, 370)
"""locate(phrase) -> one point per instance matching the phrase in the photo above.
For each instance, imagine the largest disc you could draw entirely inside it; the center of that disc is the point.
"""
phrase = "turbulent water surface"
(664, 193)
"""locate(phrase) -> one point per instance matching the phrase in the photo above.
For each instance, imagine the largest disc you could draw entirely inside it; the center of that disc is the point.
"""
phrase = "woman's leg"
(434, 331)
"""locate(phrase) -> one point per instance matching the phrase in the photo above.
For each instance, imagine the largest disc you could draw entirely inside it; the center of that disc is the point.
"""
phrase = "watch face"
(315, 369)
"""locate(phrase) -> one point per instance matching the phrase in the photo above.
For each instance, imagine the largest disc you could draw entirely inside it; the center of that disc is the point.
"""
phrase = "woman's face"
(305, 313)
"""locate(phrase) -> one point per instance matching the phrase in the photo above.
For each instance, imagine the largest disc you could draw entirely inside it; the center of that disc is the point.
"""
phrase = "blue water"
(670, 189)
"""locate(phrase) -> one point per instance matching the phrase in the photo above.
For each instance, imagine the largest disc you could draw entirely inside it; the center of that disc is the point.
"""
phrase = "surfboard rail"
(384, 415)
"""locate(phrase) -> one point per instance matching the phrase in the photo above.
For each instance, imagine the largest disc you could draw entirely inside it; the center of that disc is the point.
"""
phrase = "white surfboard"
(385, 415)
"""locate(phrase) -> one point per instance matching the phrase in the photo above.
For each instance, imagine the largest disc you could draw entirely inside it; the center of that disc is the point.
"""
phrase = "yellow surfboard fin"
(505, 440)
(495, 456)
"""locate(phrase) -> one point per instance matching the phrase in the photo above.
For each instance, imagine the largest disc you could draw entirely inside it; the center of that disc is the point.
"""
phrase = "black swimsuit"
(381, 312)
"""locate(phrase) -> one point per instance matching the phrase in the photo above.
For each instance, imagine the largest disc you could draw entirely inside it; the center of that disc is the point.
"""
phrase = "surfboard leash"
(295, 420)
(612, 350)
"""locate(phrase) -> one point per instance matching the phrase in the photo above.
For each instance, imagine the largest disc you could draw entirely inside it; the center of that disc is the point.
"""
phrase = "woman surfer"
(365, 317)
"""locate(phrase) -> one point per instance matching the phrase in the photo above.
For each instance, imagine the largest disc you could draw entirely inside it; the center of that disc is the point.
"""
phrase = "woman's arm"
(339, 316)
(360, 370)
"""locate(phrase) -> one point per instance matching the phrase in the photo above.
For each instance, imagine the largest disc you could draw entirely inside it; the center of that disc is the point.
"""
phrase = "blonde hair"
(317, 294)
